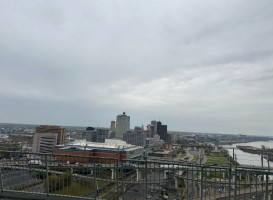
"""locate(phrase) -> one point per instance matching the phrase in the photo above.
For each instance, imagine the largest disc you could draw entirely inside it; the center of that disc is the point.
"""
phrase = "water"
(247, 158)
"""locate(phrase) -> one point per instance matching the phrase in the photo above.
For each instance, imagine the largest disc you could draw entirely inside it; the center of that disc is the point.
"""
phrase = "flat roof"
(109, 144)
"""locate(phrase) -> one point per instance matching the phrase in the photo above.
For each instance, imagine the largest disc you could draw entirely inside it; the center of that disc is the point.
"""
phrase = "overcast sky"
(204, 66)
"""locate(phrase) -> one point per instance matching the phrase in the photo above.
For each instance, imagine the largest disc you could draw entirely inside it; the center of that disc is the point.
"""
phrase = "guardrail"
(51, 176)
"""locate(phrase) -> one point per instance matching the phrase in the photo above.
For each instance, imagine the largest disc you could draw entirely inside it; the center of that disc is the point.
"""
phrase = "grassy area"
(79, 188)
(105, 174)
(213, 174)
(194, 160)
(183, 155)
(219, 160)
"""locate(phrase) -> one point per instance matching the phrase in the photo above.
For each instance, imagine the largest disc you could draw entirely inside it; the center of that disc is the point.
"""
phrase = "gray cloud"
(198, 66)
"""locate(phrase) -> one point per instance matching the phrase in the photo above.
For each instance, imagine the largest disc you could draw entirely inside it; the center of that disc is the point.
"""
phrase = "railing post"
(122, 175)
(146, 179)
(201, 186)
(47, 181)
(266, 187)
(235, 184)
(1, 181)
(95, 181)
(229, 183)
(117, 168)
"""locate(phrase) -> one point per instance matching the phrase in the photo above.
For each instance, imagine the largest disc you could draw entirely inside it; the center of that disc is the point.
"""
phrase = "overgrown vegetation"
(59, 182)
(65, 185)
(11, 147)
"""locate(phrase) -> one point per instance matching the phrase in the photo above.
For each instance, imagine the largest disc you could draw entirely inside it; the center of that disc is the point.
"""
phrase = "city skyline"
(197, 66)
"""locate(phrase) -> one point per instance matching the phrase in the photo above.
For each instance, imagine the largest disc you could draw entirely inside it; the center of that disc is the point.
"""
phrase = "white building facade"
(44, 142)
(122, 125)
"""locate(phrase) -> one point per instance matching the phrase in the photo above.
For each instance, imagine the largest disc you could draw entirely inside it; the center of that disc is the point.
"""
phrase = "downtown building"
(83, 151)
(155, 141)
(162, 131)
(136, 137)
(112, 131)
(122, 125)
(153, 128)
(46, 137)
(96, 134)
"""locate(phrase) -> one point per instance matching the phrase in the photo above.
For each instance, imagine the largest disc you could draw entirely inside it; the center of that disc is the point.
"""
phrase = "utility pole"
(233, 153)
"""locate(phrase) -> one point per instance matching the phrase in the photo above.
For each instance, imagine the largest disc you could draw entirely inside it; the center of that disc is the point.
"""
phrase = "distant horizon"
(145, 128)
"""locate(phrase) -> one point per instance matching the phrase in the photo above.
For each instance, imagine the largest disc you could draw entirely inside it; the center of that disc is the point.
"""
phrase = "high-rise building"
(113, 126)
(137, 137)
(122, 125)
(90, 134)
(162, 131)
(149, 130)
(96, 135)
(154, 129)
(46, 137)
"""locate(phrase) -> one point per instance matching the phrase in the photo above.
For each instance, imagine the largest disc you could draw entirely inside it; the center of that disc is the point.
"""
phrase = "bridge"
(43, 176)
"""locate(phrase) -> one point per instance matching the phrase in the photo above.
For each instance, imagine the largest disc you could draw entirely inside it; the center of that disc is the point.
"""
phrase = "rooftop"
(109, 144)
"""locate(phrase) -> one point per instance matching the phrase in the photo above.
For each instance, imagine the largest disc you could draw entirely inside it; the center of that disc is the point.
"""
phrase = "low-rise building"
(84, 151)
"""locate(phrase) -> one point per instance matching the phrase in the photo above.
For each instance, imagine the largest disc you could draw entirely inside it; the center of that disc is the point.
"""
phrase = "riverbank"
(245, 158)
(260, 151)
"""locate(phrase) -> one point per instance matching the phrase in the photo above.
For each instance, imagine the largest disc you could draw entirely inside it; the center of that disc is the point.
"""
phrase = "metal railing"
(50, 176)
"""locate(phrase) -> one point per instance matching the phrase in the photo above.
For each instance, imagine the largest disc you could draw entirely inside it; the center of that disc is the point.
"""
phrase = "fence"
(49, 176)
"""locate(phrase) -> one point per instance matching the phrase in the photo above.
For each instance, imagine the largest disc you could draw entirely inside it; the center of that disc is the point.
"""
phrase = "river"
(247, 158)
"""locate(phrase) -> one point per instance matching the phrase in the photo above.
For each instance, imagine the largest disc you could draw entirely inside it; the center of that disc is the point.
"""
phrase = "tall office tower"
(149, 130)
(123, 125)
(152, 131)
(148, 127)
(113, 126)
(154, 124)
(46, 137)
(162, 131)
